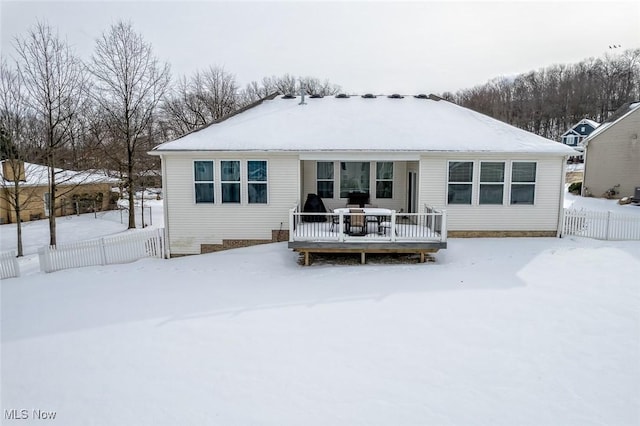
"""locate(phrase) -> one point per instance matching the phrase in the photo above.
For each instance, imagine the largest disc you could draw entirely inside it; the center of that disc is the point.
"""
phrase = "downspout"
(165, 210)
(584, 170)
(561, 206)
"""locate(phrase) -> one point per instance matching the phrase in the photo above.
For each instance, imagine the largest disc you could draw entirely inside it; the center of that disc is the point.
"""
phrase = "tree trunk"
(18, 210)
(52, 203)
(132, 207)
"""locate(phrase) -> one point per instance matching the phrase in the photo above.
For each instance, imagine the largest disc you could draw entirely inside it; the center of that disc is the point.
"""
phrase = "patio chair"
(357, 221)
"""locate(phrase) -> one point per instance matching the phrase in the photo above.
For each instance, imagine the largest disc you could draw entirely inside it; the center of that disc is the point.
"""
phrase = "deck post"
(393, 226)
(341, 227)
(363, 259)
(291, 227)
(443, 231)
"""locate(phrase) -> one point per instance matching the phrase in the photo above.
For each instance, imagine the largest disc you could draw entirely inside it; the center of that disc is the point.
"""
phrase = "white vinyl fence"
(123, 248)
(601, 225)
(9, 267)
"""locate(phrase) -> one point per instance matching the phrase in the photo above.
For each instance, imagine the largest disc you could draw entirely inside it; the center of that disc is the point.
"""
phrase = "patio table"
(377, 213)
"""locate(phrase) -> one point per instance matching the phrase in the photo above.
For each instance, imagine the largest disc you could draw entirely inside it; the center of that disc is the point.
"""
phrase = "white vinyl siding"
(191, 224)
(542, 216)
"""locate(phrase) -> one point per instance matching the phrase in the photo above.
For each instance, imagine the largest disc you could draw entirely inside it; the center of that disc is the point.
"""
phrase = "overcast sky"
(378, 47)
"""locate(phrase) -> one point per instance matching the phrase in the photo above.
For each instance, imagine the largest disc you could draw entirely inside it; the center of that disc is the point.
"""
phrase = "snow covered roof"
(591, 123)
(619, 115)
(362, 124)
(38, 175)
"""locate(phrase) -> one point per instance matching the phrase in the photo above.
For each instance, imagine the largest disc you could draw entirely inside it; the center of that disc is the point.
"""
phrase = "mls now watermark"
(24, 414)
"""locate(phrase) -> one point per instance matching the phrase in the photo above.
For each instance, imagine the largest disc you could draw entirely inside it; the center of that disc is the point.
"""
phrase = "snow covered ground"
(526, 331)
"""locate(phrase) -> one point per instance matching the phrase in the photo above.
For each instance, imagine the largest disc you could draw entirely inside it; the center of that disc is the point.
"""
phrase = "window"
(324, 179)
(203, 181)
(491, 182)
(523, 182)
(257, 182)
(354, 177)
(460, 182)
(230, 181)
(384, 179)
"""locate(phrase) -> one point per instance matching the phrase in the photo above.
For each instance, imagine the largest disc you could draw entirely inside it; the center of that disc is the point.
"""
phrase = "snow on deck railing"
(392, 227)
(601, 225)
(9, 267)
(123, 248)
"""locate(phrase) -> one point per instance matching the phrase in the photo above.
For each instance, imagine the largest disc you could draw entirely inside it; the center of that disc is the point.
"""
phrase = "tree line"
(106, 111)
(552, 99)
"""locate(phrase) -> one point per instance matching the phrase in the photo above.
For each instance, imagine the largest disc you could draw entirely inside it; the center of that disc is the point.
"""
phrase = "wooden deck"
(417, 233)
(420, 248)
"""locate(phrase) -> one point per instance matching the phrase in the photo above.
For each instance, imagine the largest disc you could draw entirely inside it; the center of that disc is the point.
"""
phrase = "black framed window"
(230, 181)
(523, 182)
(203, 181)
(460, 182)
(491, 182)
(257, 182)
(354, 177)
(324, 179)
(384, 179)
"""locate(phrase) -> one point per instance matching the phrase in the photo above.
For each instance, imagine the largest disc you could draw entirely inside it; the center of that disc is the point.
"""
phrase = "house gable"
(613, 155)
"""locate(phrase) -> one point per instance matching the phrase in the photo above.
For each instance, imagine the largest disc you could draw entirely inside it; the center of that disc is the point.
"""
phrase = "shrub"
(575, 188)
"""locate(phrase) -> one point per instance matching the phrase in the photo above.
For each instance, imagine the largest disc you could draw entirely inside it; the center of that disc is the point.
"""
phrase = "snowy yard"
(526, 331)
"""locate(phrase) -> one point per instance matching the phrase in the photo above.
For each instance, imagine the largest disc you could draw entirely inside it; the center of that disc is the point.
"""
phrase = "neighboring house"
(612, 155)
(576, 134)
(236, 181)
(78, 192)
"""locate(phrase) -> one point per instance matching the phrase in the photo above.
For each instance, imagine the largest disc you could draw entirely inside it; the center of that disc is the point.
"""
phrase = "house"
(612, 155)
(576, 134)
(244, 179)
(78, 192)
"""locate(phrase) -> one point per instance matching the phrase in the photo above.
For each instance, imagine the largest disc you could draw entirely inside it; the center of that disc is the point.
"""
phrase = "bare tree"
(12, 123)
(205, 97)
(55, 87)
(130, 81)
(549, 100)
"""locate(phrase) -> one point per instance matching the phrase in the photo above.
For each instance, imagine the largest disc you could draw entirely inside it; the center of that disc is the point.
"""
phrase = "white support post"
(291, 227)
(341, 227)
(443, 231)
(392, 231)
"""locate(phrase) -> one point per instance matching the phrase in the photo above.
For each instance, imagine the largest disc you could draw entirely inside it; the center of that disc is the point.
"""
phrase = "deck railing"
(431, 225)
